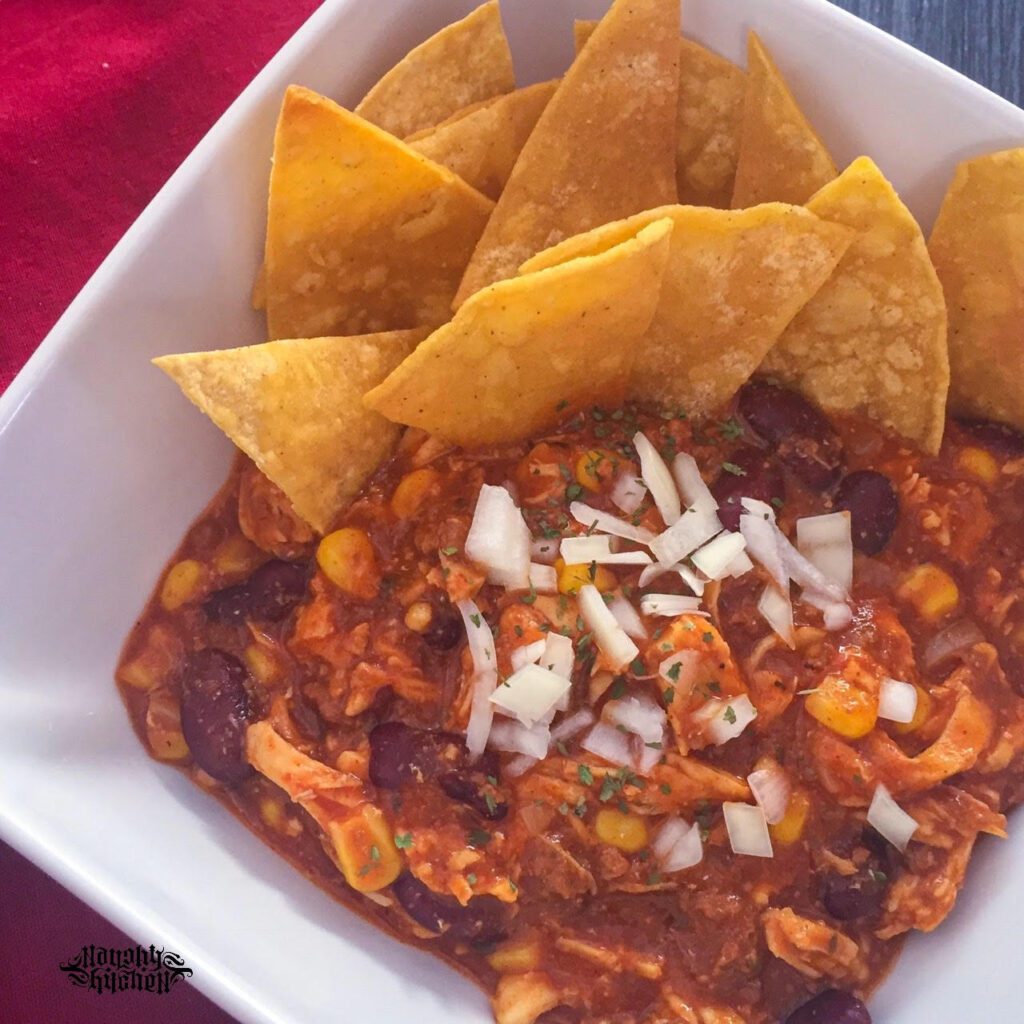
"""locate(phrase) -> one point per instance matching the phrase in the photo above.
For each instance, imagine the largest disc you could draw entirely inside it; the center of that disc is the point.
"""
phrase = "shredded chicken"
(549, 867)
(522, 998)
(267, 517)
(813, 948)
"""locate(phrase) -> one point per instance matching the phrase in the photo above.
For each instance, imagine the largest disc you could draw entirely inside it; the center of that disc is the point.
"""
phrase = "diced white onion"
(649, 756)
(639, 715)
(826, 542)
(543, 578)
(528, 654)
(588, 516)
(809, 577)
(529, 694)
(685, 677)
(777, 610)
(740, 565)
(544, 550)
(485, 676)
(953, 638)
(694, 491)
(837, 614)
(897, 701)
(691, 579)
(715, 558)
(605, 741)
(516, 738)
(748, 830)
(499, 539)
(617, 648)
(558, 655)
(726, 719)
(694, 528)
(889, 820)
(670, 605)
(771, 790)
(677, 845)
(573, 725)
(628, 492)
(627, 617)
(520, 766)
(626, 558)
(758, 508)
(658, 478)
(581, 550)
(762, 537)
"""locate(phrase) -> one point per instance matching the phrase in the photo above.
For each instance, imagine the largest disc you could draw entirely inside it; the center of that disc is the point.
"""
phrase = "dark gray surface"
(981, 38)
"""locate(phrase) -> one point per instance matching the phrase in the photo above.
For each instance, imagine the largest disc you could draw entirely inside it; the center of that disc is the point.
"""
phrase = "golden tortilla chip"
(874, 337)
(978, 249)
(481, 147)
(526, 352)
(464, 63)
(604, 147)
(710, 114)
(781, 157)
(734, 280)
(363, 233)
(295, 408)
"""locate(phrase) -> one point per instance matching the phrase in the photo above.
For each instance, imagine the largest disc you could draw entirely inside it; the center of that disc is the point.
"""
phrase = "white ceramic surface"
(103, 465)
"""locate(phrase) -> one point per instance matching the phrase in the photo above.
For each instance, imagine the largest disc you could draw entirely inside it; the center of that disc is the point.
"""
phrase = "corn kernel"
(261, 663)
(272, 813)
(418, 616)
(791, 827)
(931, 591)
(595, 467)
(348, 561)
(516, 957)
(843, 707)
(413, 489)
(572, 577)
(626, 832)
(236, 556)
(980, 464)
(921, 713)
(182, 584)
(366, 850)
(139, 673)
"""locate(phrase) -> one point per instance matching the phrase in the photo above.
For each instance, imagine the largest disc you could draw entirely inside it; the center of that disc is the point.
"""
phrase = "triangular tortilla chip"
(363, 233)
(604, 147)
(482, 147)
(781, 157)
(734, 280)
(526, 352)
(710, 114)
(978, 248)
(874, 337)
(464, 63)
(295, 408)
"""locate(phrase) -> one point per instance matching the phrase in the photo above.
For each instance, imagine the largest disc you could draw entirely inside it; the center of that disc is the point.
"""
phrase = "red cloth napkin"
(100, 100)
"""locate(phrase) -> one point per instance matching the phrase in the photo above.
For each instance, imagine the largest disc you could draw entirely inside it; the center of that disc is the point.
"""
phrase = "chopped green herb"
(665, 788)
(673, 672)
(585, 774)
(475, 619)
(730, 715)
(777, 502)
(450, 550)
(708, 637)
(580, 809)
(478, 837)
(471, 878)
(637, 666)
(530, 597)
(654, 878)
(565, 471)
(518, 630)
(563, 404)
(492, 804)
(374, 853)
(573, 491)
(618, 688)
(492, 779)
(403, 840)
(731, 429)
(562, 748)
(654, 745)
(669, 695)
(731, 467)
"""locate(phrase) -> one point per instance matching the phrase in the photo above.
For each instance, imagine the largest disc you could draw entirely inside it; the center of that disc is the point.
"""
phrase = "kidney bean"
(306, 717)
(849, 897)
(214, 712)
(996, 436)
(873, 506)
(472, 789)
(269, 594)
(831, 1007)
(802, 436)
(480, 921)
(445, 629)
(760, 479)
(400, 754)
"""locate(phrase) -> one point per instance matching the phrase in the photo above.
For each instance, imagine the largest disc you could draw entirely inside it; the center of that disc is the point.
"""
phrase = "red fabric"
(100, 100)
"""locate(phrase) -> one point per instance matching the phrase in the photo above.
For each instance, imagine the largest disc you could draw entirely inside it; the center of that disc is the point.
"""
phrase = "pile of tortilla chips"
(480, 260)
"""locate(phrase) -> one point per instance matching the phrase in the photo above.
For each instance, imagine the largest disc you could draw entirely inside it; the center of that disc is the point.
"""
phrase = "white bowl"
(103, 465)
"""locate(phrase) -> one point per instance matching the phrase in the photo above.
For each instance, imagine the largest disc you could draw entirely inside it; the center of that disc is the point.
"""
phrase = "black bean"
(831, 1007)
(214, 713)
(470, 787)
(803, 438)
(400, 754)
(445, 629)
(997, 436)
(850, 897)
(760, 478)
(873, 506)
(272, 591)
(481, 920)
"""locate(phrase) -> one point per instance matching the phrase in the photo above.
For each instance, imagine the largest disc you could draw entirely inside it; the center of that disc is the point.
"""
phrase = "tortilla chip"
(363, 233)
(464, 63)
(734, 280)
(526, 352)
(604, 147)
(978, 249)
(874, 337)
(710, 114)
(482, 147)
(781, 157)
(295, 408)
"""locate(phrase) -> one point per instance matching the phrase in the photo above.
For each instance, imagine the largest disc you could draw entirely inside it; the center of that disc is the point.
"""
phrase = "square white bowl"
(103, 465)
